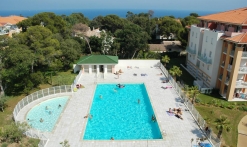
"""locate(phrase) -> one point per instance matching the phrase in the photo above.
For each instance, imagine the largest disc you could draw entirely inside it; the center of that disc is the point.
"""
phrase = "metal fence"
(195, 114)
(36, 96)
(77, 78)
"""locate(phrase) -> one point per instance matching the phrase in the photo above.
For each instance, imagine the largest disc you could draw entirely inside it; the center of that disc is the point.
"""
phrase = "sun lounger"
(135, 74)
(143, 74)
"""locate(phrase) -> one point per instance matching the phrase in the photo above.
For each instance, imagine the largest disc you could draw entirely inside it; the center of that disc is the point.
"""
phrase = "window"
(192, 33)
(211, 40)
(190, 55)
(210, 53)
(196, 35)
(206, 38)
(191, 44)
(202, 66)
(208, 67)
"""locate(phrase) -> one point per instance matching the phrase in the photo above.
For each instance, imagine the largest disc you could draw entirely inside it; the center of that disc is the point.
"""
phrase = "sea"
(92, 13)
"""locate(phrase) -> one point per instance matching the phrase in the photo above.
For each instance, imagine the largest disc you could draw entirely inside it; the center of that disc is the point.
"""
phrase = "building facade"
(217, 53)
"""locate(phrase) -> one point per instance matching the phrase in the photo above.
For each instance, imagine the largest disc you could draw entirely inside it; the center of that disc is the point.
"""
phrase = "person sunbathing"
(170, 110)
(179, 116)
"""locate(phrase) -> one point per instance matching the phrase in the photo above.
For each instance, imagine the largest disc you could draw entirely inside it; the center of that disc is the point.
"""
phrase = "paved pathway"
(71, 125)
(242, 132)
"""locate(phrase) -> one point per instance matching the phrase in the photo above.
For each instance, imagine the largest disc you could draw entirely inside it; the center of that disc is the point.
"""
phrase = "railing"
(232, 53)
(77, 78)
(204, 59)
(191, 51)
(243, 69)
(35, 96)
(214, 140)
(244, 54)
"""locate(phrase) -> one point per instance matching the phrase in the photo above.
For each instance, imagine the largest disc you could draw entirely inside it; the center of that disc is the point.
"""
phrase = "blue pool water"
(116, 113)
(49, 111)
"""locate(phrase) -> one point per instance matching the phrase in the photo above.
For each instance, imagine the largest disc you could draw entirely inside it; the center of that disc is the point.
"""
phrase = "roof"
(237, 16)
(239, 39)
(173, 45)
(98, 59)
(11, 19)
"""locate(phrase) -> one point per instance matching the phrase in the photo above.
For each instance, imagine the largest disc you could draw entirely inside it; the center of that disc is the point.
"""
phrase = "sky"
(202, 5)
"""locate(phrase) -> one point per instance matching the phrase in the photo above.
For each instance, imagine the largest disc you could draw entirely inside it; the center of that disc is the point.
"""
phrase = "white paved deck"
(71, 124)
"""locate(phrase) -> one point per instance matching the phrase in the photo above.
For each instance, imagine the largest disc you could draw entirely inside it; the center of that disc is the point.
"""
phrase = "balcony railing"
(232, 53)
(220, 77)
(242, 69)
(204, 59)
(191, 51)
(244, 54)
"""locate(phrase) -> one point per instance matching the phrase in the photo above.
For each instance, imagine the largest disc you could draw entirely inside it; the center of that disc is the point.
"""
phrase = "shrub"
(4, 145)
(197, 100)
(244, 108)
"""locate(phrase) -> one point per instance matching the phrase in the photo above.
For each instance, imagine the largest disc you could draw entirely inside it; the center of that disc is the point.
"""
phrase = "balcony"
(244, 55)
(241, 84)
(191, 51)
(225, 50)
(220, 77)
(232, 53)
(229, 67)
(242, 70)
(204, 59)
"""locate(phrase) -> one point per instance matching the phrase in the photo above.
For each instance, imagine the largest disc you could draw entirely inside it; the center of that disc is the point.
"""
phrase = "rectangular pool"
(121, 113)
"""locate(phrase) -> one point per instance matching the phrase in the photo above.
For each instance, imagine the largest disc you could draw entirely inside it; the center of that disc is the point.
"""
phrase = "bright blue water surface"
(117, 114)
(49, 111)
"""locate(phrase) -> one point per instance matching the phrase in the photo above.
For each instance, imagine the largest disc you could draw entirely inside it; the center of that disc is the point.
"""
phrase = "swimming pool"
(45, 115)
(121, 113)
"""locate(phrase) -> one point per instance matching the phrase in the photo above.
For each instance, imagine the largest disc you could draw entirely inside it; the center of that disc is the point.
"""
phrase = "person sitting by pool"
(112, 138)
(41, 120)
(88, 116)
(59, 106)
(153, 118)
(179, 116)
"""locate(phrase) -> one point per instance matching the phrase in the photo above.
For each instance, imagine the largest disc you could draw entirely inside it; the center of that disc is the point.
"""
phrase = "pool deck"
(72, 124)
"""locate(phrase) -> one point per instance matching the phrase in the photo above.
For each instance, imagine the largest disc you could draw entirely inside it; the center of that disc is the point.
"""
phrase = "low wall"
(137, 63)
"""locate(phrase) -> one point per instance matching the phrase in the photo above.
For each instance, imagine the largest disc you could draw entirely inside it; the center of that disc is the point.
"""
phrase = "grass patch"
(210, 112)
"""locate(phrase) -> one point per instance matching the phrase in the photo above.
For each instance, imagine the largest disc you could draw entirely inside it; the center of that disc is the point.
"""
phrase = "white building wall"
(196, 38)
(211, 48)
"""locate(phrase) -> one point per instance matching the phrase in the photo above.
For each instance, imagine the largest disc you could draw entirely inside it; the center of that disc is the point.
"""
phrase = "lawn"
(210, 111)
(58, 79)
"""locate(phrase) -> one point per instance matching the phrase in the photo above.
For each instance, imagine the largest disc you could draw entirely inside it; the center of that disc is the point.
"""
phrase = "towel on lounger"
(170, 114)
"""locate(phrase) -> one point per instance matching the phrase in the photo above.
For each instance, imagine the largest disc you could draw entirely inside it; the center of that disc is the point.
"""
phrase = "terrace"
(71, 125)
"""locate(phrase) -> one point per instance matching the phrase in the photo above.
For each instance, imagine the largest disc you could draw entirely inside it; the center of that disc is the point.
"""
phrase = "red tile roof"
(11, 20)
(239, 39)
(237, 16)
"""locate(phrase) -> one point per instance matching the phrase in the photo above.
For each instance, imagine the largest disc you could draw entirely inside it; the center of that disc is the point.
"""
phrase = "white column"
(97, 71)
(105, 68)
(90, 69)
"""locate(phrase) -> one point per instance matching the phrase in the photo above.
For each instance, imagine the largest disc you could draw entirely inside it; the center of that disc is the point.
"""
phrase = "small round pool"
(44, 116)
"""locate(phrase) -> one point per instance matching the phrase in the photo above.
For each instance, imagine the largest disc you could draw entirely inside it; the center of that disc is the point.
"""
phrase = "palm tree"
(175, 71)
(165, 59)
(222, 123)
(193, 93)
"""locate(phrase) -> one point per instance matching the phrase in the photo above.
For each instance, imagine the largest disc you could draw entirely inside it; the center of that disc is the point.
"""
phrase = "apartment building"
(8, 25)
(217, 53)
